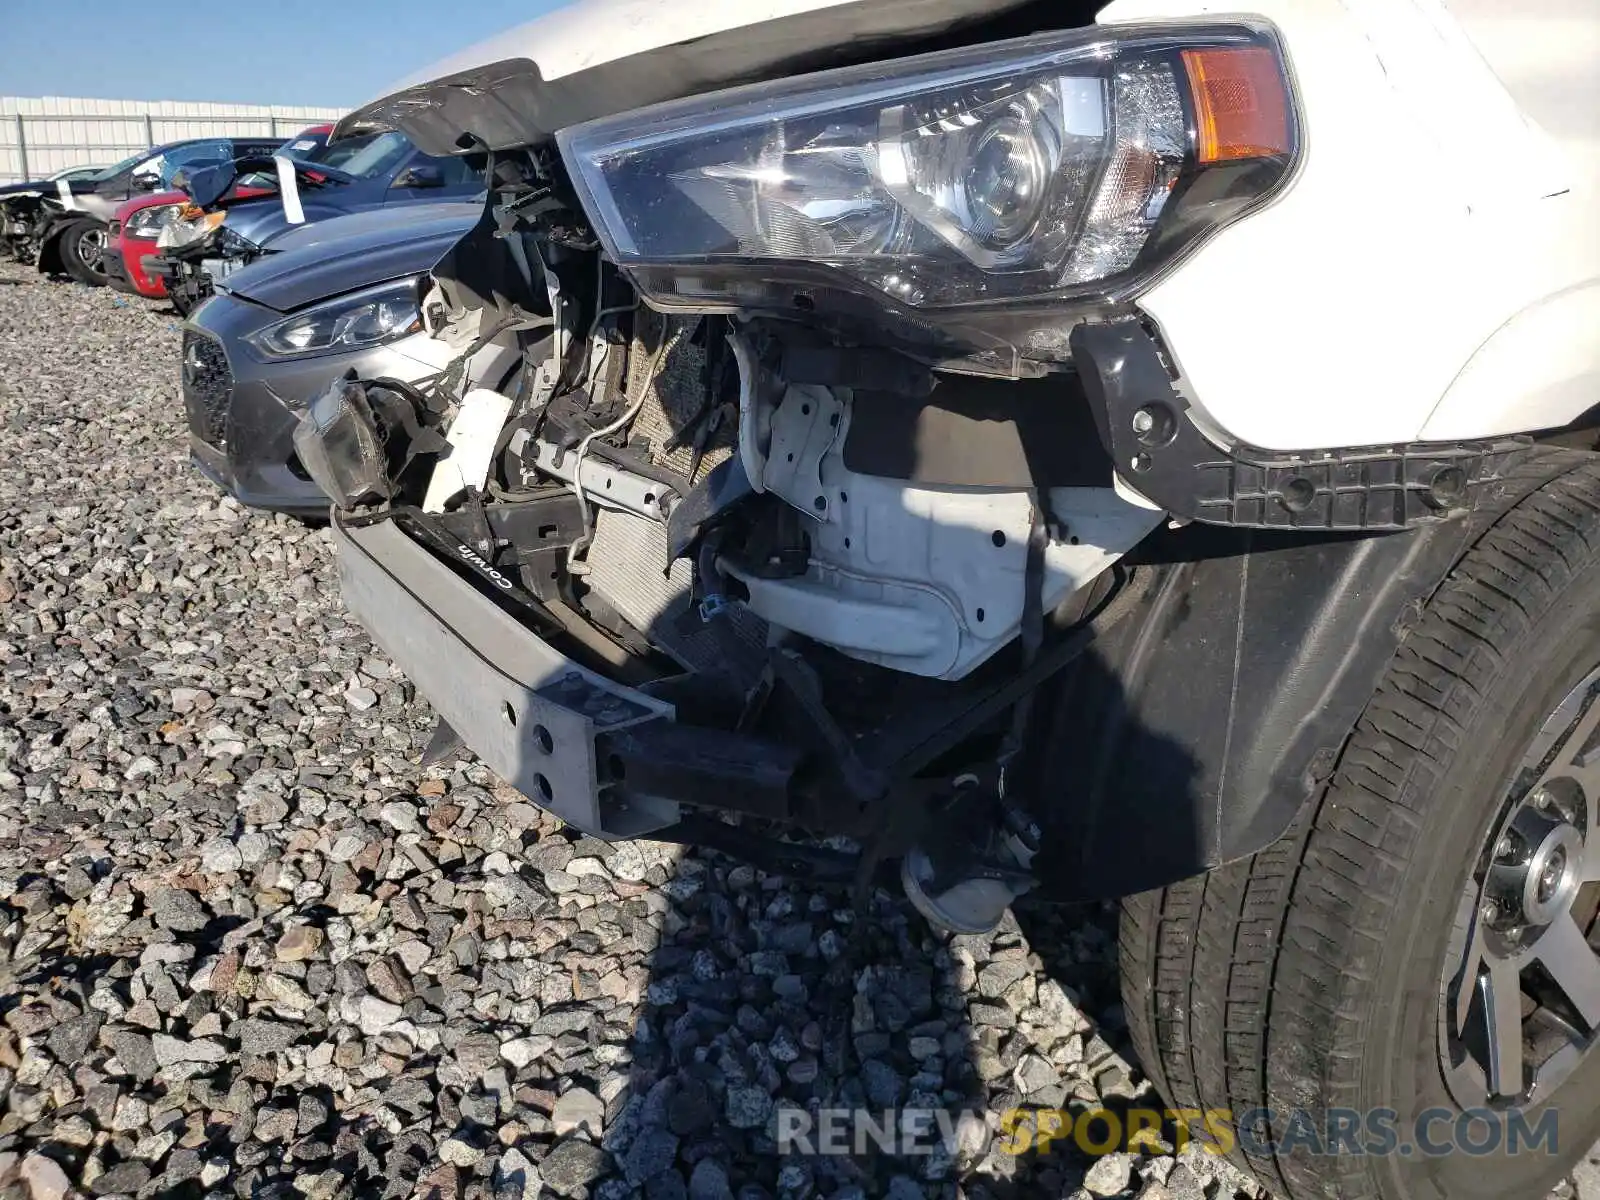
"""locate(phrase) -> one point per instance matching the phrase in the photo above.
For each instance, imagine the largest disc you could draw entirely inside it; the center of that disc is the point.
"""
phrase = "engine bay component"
(928, 580)
(604, 483)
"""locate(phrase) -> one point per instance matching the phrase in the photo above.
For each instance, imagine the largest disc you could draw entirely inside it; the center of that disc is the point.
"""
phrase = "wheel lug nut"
(1541, 798)
(1505, 847)
(1489, 912)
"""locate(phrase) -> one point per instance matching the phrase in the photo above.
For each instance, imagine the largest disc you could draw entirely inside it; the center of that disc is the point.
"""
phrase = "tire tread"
(1263, 968)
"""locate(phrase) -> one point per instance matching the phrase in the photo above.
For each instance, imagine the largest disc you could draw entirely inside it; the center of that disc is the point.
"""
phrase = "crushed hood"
(597, 57)
(343, 254)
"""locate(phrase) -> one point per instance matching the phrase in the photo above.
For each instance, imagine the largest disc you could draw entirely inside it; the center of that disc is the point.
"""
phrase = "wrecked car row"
(962, 431)
(63, 225)
(166, 222)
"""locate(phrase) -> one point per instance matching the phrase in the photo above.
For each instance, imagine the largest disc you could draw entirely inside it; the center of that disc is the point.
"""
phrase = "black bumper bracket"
(1148, 432)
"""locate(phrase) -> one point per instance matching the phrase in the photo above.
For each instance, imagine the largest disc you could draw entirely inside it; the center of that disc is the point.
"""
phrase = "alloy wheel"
(1520, 1005)
(92, 249)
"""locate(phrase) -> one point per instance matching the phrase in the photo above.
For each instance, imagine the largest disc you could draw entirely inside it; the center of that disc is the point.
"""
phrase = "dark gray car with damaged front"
(342, 295)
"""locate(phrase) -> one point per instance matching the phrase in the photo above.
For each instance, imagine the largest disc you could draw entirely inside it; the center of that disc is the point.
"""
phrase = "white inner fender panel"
(925, 580)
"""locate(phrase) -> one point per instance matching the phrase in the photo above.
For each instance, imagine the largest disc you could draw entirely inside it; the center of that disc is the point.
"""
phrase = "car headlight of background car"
(188, 226)
(365, 318)
(146, 224)
(1064, 167)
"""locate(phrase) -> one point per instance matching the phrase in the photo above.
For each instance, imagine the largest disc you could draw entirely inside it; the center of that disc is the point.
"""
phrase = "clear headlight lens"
(1058, 165)
(188, 226)
(147, 223)
(336, 440)
(366, 318)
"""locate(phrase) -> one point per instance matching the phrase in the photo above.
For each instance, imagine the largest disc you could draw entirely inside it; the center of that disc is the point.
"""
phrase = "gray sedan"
(341, 295)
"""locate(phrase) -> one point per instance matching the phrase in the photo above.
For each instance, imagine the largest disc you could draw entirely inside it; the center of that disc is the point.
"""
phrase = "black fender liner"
(1192, 733)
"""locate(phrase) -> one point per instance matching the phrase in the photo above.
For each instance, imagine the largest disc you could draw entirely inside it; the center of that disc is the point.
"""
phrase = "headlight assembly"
(365, 318)
(1062, 166)
(188, 226)
(337, 441)
(147, 223)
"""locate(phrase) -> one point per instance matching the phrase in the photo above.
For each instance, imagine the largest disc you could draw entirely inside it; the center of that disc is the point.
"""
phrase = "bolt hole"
(543, 740)
(847, 543)
(608, 485)
(980, 616)
(649, 497)
(1448, 487)
(1142, 463)
(998, 537)
(542, 789)
(820, 503)
(1073, 539)
(844, 497)
(805, 410)
(834, 420)
(1297, 494)
(789, 457)
(509, 713)
(1155, 425)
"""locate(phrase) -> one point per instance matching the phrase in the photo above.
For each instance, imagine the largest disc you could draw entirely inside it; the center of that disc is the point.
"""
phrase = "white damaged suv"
(1137, 450)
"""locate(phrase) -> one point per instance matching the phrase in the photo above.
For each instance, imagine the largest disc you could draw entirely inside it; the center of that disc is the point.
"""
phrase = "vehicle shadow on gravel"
(790, 1046)
(433, 989)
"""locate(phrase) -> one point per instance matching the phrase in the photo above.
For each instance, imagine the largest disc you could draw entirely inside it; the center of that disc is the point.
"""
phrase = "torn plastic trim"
(1159, 451)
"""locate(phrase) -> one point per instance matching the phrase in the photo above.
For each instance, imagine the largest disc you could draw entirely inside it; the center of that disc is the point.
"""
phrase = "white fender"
(1538, 371)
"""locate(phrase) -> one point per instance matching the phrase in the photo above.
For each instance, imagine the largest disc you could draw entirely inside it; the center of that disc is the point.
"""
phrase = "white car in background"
(1142, 449)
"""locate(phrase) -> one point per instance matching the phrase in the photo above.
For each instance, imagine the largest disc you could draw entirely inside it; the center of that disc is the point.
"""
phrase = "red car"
(137, 223)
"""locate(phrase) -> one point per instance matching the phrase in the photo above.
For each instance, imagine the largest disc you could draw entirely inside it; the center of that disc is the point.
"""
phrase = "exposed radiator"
(628, 569)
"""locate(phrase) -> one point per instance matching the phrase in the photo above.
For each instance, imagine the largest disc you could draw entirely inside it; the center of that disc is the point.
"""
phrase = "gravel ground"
(248, 948)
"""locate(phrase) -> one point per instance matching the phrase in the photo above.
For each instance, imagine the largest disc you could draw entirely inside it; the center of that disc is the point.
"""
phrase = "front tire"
(1345, 967)
(83, 251)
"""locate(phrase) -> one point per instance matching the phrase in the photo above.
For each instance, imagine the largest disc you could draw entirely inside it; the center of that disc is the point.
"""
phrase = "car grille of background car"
(207, 387)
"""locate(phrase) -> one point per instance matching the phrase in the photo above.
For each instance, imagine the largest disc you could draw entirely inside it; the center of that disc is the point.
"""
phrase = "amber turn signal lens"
(1241, 103)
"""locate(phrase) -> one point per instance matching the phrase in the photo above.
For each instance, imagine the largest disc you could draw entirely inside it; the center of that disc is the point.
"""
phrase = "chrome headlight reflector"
(1062, 165)
(185, 230)
(147, 223)
(337, 442)
(365, 318)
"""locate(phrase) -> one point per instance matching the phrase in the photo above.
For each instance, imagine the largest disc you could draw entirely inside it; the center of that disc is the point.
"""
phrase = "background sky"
(333, 52)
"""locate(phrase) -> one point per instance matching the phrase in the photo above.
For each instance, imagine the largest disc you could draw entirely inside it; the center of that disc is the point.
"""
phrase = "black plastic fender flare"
(1193, 732)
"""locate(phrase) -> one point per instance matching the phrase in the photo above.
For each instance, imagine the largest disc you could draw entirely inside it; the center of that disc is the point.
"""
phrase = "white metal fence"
(42, 135)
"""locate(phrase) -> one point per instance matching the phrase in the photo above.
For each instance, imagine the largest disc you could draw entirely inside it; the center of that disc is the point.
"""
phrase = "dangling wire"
(589, 366)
